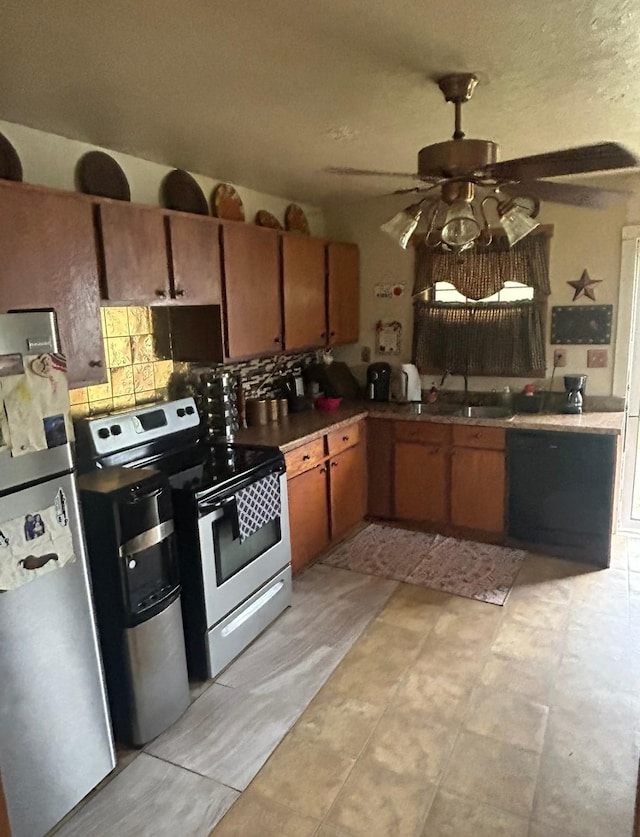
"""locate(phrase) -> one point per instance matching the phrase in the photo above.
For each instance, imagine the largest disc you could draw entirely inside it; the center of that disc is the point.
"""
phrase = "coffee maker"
(575, 386)
(378, 381)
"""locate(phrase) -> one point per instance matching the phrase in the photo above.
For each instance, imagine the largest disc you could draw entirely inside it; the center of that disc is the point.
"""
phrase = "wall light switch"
(597, 358)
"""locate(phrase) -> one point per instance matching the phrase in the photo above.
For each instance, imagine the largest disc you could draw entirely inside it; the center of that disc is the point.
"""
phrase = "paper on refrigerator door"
(36, 405)
(36, 543)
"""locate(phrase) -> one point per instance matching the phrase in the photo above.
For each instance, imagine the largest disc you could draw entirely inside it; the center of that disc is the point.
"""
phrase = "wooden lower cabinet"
(327, 491)
(421, 485)
(5, 828)
(477, 489)
(380, 467)
(308, 515)
(347, 477)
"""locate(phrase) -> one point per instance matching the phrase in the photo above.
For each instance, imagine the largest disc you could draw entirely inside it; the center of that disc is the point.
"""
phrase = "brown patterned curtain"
(479, 339)
(483, 271)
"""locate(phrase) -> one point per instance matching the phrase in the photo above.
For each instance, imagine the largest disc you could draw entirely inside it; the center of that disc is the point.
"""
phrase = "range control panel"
(118, 431)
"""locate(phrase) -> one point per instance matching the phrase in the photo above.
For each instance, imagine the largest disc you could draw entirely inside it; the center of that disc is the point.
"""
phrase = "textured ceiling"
(267, 94)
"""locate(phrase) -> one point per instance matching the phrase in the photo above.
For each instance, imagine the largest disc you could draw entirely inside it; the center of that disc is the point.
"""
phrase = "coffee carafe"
(575, 386)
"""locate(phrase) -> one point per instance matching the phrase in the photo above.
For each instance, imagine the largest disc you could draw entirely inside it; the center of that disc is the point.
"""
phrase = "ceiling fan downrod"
(458, 88)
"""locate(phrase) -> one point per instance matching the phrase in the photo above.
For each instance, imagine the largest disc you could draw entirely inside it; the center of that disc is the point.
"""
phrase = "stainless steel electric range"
(231, 519)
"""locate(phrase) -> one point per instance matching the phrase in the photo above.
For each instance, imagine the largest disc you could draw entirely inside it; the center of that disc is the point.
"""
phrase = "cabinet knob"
(323, 334)
(181, 292)
(306, 457)
(276, 340)
(332, 334)
(95, 363)
(161, 293)
(323, 470)
(345, 438)
(334, 464)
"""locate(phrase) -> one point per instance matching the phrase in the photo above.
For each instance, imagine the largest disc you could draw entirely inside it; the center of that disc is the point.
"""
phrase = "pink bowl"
(323, 403)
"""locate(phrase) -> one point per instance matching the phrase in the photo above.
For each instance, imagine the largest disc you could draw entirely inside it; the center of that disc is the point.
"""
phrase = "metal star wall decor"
(584, 285)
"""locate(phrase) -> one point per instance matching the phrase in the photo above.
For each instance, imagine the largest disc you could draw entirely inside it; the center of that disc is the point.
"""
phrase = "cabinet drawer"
(479, 437)
(347, 437)
(305, 457)
(414, 431)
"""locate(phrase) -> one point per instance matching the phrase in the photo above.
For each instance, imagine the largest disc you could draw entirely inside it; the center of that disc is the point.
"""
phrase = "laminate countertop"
(298, 428)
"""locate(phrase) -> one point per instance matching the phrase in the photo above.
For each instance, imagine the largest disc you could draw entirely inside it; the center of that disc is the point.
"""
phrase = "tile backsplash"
(135, 375)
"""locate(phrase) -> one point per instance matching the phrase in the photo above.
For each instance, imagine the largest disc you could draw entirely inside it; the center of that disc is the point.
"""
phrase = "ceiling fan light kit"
(466, 173)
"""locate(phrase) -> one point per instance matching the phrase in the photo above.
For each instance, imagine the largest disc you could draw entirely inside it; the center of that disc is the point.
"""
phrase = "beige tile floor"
(454, 717)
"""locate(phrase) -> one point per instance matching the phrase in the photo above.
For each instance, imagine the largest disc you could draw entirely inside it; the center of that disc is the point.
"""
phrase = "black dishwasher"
(561, 489)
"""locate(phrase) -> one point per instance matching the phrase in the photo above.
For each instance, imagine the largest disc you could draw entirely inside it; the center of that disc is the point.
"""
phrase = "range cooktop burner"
(205, 466)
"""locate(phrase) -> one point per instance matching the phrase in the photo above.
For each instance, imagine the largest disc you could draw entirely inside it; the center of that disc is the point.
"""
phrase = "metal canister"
(272, 409)
(256, 412)
(283, 408)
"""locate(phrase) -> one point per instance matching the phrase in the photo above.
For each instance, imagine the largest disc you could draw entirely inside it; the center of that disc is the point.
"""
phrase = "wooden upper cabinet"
(303, 287)
(134, 250)
(343, 276)
(251, 268)
(196, 270)
(48, 259)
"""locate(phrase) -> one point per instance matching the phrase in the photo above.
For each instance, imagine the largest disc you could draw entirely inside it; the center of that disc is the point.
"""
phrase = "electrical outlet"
(365, 354)
(597, 358)
(559, 357)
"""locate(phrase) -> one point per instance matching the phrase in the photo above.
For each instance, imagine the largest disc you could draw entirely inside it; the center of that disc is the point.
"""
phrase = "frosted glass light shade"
(460, 227)
(402, 226)
(517, 224)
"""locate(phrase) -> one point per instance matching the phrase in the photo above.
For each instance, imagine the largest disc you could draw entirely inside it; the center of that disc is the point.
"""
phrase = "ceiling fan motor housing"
(456, 157)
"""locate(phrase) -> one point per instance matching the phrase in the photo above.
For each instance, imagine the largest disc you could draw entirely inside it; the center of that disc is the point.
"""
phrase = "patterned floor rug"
(465, 568)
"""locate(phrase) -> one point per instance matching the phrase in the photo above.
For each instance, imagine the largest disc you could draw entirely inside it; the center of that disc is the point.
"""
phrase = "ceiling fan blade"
(604, 156)
(587, 196)
(367, 172)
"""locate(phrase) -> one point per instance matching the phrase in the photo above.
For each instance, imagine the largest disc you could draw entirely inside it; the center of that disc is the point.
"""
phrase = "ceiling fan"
(459, 176)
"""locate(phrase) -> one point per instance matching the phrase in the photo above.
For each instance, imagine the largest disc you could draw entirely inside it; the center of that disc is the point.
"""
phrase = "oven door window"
(232, 554)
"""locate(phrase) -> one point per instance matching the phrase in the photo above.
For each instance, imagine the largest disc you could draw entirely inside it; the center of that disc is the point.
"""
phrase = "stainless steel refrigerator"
(55, 733)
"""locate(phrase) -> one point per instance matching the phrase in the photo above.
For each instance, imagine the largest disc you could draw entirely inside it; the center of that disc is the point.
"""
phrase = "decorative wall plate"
(266, 219)
(10, 165)
(179, 190)
(295, 220)
(99, 174)
(226, 203)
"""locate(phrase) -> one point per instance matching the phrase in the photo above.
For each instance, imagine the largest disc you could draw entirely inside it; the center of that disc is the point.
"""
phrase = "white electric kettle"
(410, 382)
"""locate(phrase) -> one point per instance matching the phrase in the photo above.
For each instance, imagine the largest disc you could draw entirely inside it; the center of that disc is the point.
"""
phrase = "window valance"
(483, 271)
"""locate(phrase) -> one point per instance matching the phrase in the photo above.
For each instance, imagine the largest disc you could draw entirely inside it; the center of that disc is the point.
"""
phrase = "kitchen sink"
(418, 408)
(484, 412)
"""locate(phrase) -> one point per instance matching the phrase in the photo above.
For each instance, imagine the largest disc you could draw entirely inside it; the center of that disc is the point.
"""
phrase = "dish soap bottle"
(432, 395)
(507, 401)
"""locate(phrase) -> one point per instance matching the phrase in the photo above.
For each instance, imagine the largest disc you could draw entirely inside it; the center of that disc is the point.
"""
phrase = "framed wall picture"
(581, 324)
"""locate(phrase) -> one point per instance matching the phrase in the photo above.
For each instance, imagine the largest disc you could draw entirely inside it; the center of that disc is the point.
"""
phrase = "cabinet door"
(303, 288)
(343, 266)
(195, 259)
(308, 516)
(251, 290)
(48, 259)
(421, 482)
(477, 489)
(347, 477)
(380, 467)
(134, 247)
